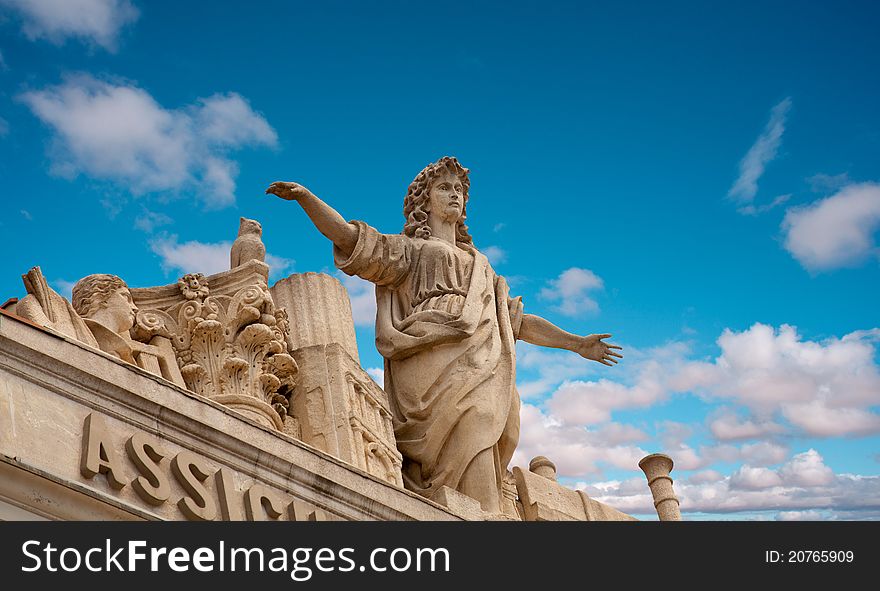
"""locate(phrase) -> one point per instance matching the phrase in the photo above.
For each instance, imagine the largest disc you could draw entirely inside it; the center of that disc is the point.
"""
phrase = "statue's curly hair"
(91, 293)
(417, 196)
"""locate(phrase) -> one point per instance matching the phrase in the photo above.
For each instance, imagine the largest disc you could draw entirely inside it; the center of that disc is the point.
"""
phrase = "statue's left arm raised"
(538, 331)
(327, 220)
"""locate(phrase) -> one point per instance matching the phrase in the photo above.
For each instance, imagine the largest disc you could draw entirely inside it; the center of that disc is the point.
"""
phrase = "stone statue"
(106, 306)
(46, 307)
(446, 326)
(249, 244)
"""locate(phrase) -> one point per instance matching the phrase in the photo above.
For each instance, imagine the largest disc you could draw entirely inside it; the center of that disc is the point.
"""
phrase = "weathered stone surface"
(107, 308)
(544, 499)
(657, 468)
(343, 412)
(50, 385)
(319, 311)
(45, 307)
(229, 338)
(248, 246)
(460, 504)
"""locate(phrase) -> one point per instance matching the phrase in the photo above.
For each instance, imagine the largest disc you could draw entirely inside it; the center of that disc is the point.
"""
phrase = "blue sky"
(700, 180)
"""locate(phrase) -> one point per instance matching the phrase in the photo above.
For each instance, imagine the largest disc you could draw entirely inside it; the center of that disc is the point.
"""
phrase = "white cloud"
(26, 215)
(751, 167)
(192, 256)
(3, 65)
(749, 478)
(571, 289)
(591, 402)
(806, 469)
(495, 254)
(837, 231)
(575, 450)
(363, 299)
(94, 21)
(763, 453)
(816, 417)
(705, 476)
(378, 375)
(823, 388)
(203, 257)
(778, 385)
(804, 484)
(4, 127)
(119, 133)
(498, 227)
(228, 120)
(727, 426)
(799, 516)
(552, 367)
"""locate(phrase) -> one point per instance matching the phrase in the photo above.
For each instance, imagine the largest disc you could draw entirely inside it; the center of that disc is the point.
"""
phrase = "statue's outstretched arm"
(538, 331)
(326, 219)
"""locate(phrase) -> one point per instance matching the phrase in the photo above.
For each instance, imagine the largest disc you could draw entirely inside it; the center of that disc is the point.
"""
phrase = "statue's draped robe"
(447, 329)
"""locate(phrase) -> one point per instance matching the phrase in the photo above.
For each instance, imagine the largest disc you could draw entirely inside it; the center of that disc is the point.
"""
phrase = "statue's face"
(446, 197)
(121, 309)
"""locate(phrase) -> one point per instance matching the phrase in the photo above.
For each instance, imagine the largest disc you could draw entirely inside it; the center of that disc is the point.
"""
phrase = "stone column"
(319, 311)
(657, 468)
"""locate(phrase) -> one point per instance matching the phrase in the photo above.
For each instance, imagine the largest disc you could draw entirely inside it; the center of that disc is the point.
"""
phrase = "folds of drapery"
(450, 376)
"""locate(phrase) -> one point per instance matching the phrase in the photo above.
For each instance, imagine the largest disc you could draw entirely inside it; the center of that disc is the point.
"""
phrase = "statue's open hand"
(288, 191)
(592, 347)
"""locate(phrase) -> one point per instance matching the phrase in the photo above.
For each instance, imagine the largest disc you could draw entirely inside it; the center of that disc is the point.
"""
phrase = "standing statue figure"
(446, 327)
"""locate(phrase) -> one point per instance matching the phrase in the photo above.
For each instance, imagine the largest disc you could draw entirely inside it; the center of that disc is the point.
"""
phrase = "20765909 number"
(821, 556)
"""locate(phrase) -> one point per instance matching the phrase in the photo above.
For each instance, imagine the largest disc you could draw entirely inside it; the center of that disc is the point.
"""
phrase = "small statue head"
(248, 226)
(445, 175)
(105, 299)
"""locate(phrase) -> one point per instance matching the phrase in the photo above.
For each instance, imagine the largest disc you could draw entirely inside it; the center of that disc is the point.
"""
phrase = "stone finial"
(657, 468)
(542, 466)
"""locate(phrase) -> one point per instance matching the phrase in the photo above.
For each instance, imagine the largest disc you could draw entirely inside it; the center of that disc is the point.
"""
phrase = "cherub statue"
(446, 327)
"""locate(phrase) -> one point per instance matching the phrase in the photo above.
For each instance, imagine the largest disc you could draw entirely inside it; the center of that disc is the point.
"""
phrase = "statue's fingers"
(604, 336)
(615, 354)
(611, 359)
(614, 347)
(603, 362)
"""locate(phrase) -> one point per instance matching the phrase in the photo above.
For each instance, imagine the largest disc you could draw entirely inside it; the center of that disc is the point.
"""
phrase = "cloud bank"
(97, 22)
(117, 132)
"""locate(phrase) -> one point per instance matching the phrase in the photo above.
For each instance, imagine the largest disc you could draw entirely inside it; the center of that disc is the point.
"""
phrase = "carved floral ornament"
(230, 348)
